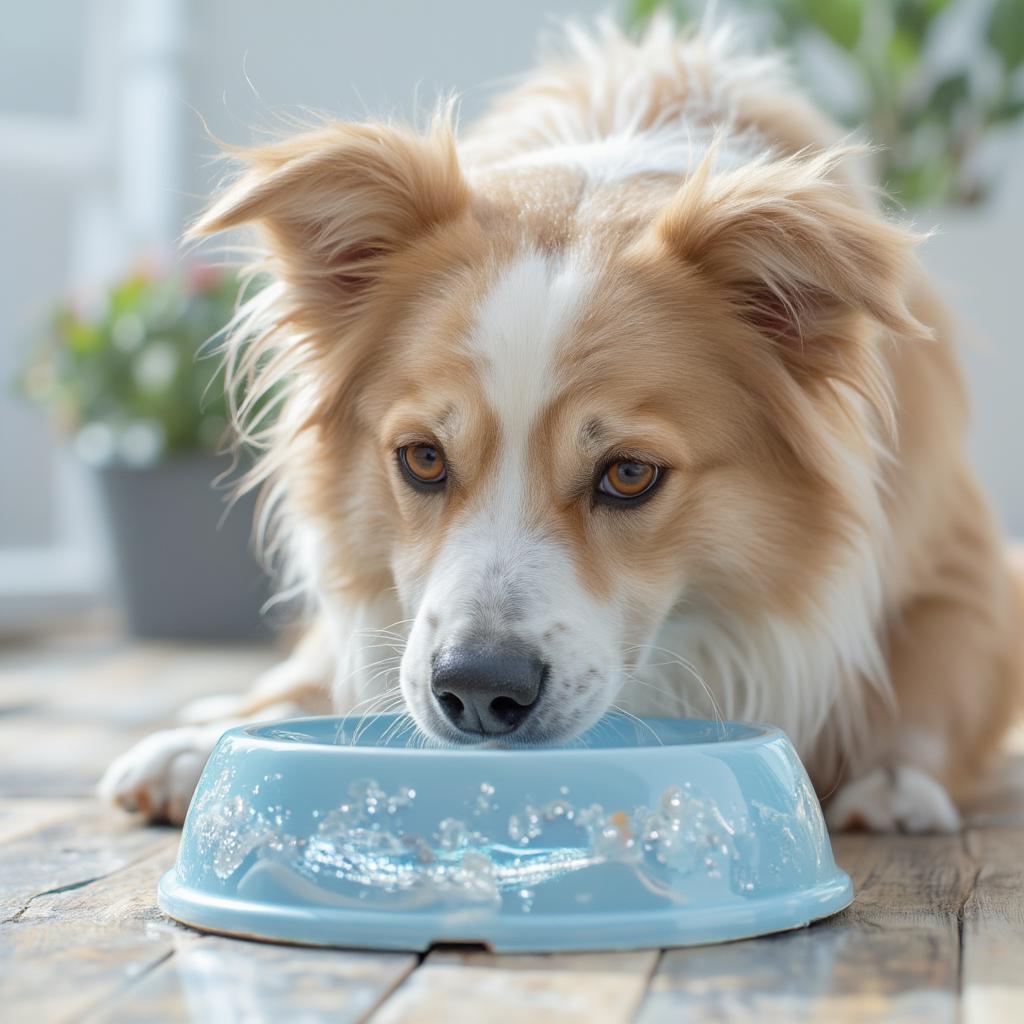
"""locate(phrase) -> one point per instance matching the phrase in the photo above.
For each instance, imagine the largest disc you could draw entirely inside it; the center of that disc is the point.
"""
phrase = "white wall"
(978, 259)
(355, 59)
(40, 71)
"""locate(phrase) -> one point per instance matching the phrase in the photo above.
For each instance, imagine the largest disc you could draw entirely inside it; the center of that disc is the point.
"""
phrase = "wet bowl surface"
(646, 832)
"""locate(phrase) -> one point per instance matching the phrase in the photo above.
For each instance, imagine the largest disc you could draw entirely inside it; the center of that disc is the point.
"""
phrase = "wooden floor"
(935, 934)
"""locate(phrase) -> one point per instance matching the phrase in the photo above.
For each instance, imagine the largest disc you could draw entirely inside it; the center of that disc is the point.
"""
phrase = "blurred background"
(109, 424)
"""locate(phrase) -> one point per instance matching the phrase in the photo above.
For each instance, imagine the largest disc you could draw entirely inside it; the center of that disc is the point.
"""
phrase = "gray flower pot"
(185, 569)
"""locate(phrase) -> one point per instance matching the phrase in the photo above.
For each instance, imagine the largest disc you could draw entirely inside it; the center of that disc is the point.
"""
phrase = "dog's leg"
(956, 673)
(300, 679)
(157, 776)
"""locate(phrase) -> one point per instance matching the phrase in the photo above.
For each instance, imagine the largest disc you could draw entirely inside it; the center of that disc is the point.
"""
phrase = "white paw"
(158, 776)
(901, 799)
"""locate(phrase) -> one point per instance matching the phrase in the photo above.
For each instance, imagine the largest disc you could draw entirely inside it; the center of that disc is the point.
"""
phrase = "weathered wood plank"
(72, 949)
(224, 981)
(91, 716)
(125, 895)
(1002, 800)
(50, 757)
(70, 853)
(461, 987)
(993, 929)
(19, 817)
(40, 681)
(894, 955)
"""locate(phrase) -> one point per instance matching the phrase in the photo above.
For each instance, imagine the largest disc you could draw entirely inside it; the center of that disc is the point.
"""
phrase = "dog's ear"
(331, 203)
(795, 256)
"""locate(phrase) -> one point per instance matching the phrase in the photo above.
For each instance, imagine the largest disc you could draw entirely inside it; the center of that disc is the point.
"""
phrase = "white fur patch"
(528, 311)
(903, 799)
(676, 152)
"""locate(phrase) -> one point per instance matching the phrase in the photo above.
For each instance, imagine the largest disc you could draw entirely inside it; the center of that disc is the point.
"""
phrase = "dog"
(631, 399)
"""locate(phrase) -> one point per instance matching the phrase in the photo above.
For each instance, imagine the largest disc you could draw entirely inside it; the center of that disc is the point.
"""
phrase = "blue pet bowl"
(654, 832)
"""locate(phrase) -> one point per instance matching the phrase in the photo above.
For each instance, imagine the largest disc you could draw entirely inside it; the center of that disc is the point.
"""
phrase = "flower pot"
(184, 563)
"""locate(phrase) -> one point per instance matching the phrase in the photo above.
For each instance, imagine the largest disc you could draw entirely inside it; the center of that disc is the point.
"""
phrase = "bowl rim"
(253, 733)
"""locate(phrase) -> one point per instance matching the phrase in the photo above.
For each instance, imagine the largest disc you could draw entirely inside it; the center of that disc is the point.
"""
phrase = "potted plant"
(128, 380)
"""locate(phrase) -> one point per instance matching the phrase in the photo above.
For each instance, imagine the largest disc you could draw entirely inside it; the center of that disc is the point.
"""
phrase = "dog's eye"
(422, 464)
(626, 480)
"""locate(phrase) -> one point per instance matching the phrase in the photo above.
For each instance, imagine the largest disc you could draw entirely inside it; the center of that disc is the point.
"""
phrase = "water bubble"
(672, 800)
(402, 798)
(452, 834)
(483, 800)
(558, 809)
(523, 827)
(475, 877)
(367, 792)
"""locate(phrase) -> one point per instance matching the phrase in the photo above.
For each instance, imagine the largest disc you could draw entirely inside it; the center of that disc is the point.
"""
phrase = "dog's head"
(548, 415)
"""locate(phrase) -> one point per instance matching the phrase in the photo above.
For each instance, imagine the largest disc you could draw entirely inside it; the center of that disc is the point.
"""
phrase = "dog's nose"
(487, 691)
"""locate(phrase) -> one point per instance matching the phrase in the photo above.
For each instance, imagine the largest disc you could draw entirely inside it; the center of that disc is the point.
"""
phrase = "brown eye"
(423, 464)
(626, 480)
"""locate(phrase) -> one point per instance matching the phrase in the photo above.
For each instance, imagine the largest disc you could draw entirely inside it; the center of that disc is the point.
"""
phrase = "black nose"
(487, 690)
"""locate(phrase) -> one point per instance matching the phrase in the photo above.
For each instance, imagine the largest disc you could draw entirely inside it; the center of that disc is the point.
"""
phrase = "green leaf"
(903, 54)
(82, 338)
(924, 184)
(950, 93)
(640, 12)
(916, 16)
(1006, 112)
(840, 20)
(1006, 32)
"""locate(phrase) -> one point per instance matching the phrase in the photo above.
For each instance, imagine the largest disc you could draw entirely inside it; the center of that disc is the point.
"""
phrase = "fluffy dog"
(629, 399)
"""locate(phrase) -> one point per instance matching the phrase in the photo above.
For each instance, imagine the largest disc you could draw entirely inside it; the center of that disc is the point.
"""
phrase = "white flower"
(141, 443)
(128, 332)
(155, 367)
(94, 444)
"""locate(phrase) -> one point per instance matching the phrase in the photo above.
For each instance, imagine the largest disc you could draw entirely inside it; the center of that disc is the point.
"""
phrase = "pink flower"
(203, 277)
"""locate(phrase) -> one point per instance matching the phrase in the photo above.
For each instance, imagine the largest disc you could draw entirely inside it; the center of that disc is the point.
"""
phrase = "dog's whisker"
(363, 707)
(677, 659)
(404, 724)
(373, 713)
(361, 669)
(395, 729)
(388, 692)
(639, 721)
(686, 706)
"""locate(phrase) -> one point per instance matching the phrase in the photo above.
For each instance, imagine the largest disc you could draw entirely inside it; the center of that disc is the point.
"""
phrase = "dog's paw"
(157, 777)
(902, 799)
